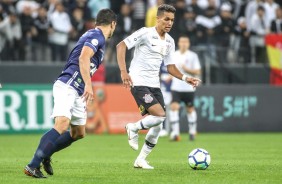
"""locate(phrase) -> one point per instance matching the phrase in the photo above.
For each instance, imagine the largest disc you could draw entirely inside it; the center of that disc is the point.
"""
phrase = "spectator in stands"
(225, 31)
(151, 15)
(180, 6)
(8, 6)
(196, 9)
(116, 5)
(83, 5)
(251, 10)
(259, 28)
(123, 29)
(41, 49)
(270, 8)
(59, 33)
(187, 25)
(138, 14)
(5, 34)
(276, 24)
(207, 32)
(241, 42)
(28, 31)
(10, 35)
(32, 5)
(96, 5)
(78, 27)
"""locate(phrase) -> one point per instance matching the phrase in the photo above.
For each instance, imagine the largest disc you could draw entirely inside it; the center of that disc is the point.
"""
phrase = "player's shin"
(174, 121)
(45, 147)
(150, 141)
(64, 141)
(192, 120)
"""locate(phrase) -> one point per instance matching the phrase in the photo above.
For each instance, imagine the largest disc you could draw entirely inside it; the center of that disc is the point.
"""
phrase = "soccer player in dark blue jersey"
(72, 91)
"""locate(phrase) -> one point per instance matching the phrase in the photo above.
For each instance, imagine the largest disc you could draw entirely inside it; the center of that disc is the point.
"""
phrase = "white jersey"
(190, 60)
(150, 51)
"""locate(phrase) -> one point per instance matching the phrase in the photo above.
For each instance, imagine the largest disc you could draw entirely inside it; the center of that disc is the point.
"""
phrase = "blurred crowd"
(220, 30)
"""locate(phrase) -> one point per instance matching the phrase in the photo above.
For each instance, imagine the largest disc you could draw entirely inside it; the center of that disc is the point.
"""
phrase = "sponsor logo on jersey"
(75, 84)
(94, 42)
(141, 109)
(154, 37)
(79, 80)
(148, 98)
(167, 41)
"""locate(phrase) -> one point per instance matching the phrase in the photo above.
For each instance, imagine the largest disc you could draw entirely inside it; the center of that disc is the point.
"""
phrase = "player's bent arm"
(121, 51)
(192, 72)
(84, 67)
(173, 70)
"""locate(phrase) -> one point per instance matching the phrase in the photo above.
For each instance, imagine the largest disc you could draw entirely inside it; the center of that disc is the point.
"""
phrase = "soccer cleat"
(132, 136)
(47, 166)
(33, 172)
(191, 137)
(142, 163)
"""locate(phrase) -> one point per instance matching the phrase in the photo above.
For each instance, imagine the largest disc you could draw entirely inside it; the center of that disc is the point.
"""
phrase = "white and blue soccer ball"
(199, 159)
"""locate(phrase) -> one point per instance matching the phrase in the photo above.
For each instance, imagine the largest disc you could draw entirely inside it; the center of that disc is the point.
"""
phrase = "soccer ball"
(199, 159)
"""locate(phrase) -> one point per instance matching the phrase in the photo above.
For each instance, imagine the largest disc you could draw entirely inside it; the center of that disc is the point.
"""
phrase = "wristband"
(184, 77)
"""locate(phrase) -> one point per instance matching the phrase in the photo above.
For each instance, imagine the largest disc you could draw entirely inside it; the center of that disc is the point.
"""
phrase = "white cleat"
(142, 163)
(132, 136)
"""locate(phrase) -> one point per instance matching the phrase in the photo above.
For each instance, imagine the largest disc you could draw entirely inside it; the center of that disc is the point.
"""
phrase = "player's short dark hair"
(105, 17)
(165, 8)
(183, 36)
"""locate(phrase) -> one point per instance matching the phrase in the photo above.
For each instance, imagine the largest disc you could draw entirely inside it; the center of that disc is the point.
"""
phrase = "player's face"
(113, 27)
(165, 21)
(183, 43)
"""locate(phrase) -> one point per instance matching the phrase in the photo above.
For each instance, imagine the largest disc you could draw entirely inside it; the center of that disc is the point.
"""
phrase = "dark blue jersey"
(71, 75)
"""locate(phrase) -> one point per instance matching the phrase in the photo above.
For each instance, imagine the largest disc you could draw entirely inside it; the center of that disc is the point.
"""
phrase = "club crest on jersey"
(148, 98)
(94, 42)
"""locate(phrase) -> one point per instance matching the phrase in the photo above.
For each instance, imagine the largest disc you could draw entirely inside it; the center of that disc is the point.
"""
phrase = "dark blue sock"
(63, 141)
(46, 145)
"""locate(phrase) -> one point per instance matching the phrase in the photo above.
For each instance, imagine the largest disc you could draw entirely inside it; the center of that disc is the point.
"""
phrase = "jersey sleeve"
(168, 60)
(136, 38)
(94, 43)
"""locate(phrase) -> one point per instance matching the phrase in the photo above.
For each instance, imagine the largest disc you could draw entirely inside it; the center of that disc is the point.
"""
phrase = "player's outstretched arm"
(125, 77)
(84, 67)
(172, 69)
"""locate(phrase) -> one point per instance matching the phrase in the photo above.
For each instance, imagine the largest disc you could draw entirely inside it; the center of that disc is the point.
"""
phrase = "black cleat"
(33, 172)
(47, 166)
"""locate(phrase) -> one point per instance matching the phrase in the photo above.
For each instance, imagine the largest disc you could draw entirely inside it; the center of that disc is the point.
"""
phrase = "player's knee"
(78, 135)
(159, 120)
(174, 106)
(61, 124)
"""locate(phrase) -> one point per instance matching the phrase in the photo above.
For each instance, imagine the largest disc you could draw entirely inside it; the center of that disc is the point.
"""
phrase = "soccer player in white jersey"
(152, 46)
(187, 62)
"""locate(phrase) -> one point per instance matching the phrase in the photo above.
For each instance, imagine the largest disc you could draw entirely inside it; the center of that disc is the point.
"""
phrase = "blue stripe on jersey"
(71, 75)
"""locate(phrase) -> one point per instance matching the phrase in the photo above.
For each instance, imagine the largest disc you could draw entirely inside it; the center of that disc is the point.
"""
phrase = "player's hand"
(88, 96)
(126, 79)
(193, 81)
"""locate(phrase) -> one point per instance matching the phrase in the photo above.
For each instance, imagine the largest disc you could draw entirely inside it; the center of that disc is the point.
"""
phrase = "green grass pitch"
(235, 158)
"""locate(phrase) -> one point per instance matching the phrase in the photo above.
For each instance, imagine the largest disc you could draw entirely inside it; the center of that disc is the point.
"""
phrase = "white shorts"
(68, 103)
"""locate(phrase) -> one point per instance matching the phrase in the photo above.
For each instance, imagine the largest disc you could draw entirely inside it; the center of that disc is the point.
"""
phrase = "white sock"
(192, 120)
(145, 151)
(148, 122)
(150, 141)
(173, 116)
(174, 120)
